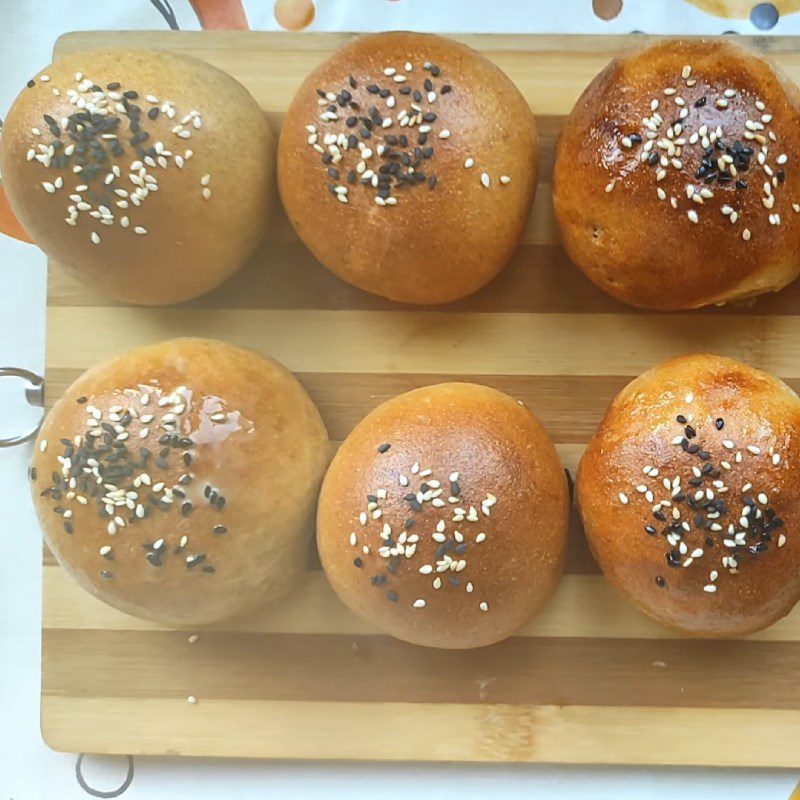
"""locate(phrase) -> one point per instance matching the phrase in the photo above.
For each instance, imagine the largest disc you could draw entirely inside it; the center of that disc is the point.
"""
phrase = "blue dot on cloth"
(764, 16)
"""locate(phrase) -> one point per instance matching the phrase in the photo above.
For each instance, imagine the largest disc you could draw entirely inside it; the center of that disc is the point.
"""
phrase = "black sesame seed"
(720, 423)
(68, 527)
(106, 574)
(384, 447)
(392, 596)
(30, 84)
(650, 530)
(358, 562)
(680, 418)
(660, 581)
(372, 89)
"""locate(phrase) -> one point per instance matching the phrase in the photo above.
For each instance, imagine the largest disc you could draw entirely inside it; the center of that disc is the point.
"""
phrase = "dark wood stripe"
(284, 275)
(704, 674)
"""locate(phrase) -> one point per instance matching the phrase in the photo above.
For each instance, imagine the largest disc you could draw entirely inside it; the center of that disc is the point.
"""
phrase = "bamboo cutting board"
(590, 680)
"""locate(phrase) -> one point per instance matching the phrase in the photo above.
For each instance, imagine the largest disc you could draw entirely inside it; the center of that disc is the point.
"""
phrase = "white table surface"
(29, 770)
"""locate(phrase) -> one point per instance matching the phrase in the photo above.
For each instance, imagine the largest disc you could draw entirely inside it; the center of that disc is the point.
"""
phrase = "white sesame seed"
(751, 448)
(191, 699)
(781, 540)
(623, 498)
(692, 214)
(710, 588)
(504, 179)
(746, 234)
(610, 186)
(480, 538)
(420, 603)
(444, 134)
(485, 180)
(483, 606)
(426, 569)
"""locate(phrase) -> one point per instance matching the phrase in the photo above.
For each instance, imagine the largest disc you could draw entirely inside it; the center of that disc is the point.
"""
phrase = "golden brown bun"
(747, 427)
(191, 243)
(265, 455)
(509, 484)
(647, 251)
(436, 244)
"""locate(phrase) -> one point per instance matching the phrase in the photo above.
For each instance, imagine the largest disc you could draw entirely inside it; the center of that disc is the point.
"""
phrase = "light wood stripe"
(583, 606)
(453, 732)
(441, 342)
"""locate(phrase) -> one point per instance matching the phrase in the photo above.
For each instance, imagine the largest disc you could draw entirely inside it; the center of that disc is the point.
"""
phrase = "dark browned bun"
(443, 517)
(407, 164)
(144, 173)
(690, 496)
(178, 481)
(675, 180)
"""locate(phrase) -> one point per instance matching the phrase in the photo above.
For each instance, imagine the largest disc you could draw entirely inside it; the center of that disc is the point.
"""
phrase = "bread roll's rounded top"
(675, 178)
(407, 164)
(177, 482)
(143, 172)
(442, 519)
(690, 495)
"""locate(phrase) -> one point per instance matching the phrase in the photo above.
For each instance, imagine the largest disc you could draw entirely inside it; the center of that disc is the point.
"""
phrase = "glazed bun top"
(690, 495)
(442, 519)
(143, 172)
(407, 164)
(177, 482)
(674, 184)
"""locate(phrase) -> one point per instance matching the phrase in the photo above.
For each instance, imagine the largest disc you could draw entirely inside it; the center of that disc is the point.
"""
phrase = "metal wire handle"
(34, 395)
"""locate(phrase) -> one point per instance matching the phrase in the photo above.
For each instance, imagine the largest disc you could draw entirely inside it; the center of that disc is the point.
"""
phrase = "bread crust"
(633, 234)
(495, 452)
(202, 192)
(436, 244)
(254, 449)
(743, 418)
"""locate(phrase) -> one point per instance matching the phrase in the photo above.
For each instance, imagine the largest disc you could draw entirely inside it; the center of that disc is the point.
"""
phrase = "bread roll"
(407, 164)
(690, 496)
(178, 482)
(145, 174)
(673, 184)
(443, 517)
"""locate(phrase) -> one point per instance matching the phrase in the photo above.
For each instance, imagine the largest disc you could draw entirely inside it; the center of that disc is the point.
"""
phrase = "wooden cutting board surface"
(590, 680)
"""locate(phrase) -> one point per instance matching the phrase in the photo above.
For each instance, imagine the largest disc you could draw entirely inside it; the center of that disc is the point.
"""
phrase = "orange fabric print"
(220, 15)
(294, 15)
(9, 225)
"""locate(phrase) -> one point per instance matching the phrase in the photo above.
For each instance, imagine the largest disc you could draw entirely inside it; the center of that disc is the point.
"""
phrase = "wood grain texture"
(590, 679)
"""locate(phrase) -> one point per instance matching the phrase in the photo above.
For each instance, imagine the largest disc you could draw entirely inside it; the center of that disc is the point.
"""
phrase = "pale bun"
(202, 176)
(216, 520)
